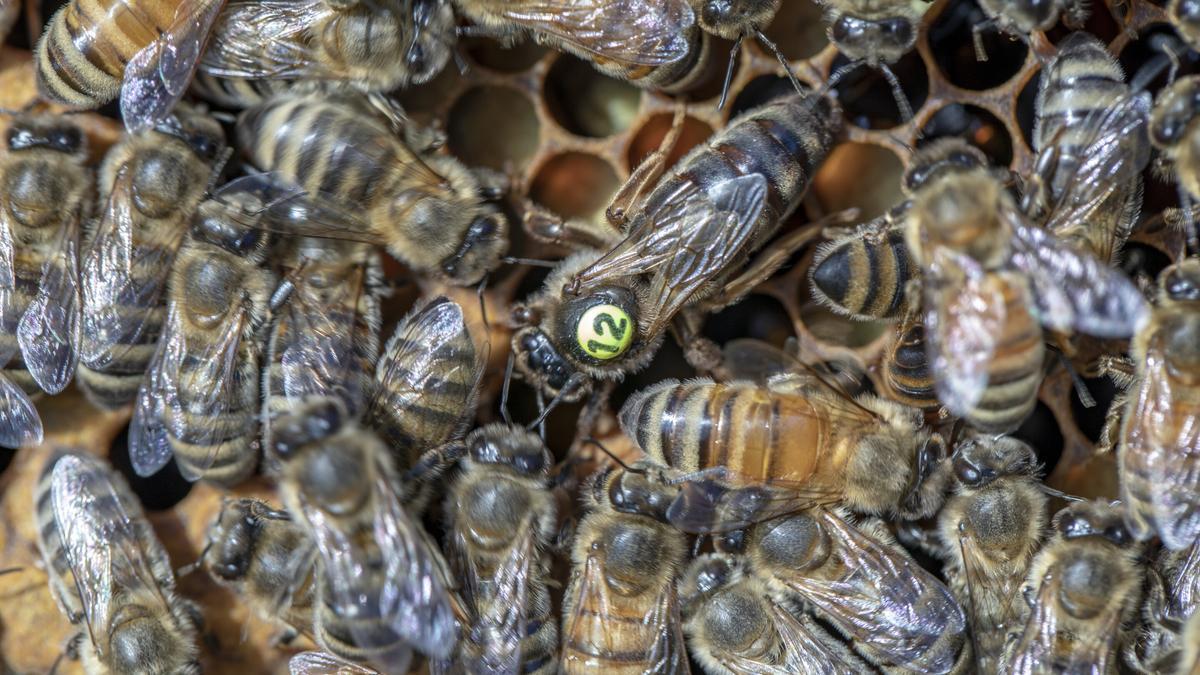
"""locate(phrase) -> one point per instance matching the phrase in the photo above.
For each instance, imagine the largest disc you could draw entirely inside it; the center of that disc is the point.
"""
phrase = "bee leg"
(911, 535)
(432, 464)
(424, 140)
(646, 174)
(977, 38)
(546, 226)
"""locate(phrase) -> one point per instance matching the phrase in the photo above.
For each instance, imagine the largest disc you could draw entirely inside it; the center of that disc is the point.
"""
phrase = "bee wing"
(1072, 652)
(978, 581)
(1160, 444)
(754, 360)
(502, 623)
(149, 447)
(289, 209)
(635, 32)
(158, 75)
(962, 321)
(266, 40)
(320, 663)
(733, 502)
(103, 544)
(49, 329)
(805, 652)
(109, 282)
(324, 357)
(885, 599)
(686, 244)
(1072, 289)
(20, 423)
(9, 313)
(414, 367)
(1114, 152)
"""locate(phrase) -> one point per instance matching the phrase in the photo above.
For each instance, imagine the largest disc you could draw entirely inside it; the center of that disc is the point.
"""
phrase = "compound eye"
(604, 332)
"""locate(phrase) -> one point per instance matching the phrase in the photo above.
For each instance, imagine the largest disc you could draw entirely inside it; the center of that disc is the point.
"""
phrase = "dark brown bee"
(907, 377)
(601, 314)
(45, 196)
(151, 184)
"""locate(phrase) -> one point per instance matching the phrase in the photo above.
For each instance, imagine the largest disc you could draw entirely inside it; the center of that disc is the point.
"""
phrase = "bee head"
(514, 447)
(1176, 108)
(599, 327)
(1185, 16)
(941, 157)
(203, 136)
(49, 133)
(977, 461)
(232, 541)
(221, 224)
(962, 212)
(312, 421)
(640, 493)
(1031, 15)
(873, 40)
(479, 252)
(1181, 282)
(1092, 519)
(428, 49)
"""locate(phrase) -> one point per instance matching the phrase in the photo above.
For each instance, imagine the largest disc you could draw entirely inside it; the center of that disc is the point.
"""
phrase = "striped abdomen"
(864, 275)
(763, 434)
(236, 92)
(82, 55)
(785, 141)
(1015, 369)
(28, 280)
(677, 76)
(906, 368)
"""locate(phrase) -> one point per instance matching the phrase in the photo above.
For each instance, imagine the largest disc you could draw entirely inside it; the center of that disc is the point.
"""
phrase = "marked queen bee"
(108, 571)
(45, 195)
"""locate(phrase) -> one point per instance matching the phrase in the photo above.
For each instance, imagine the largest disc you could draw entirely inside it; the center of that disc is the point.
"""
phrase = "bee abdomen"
(236, 92)
(670, 420)
(862, 276)
(907, 372)
(1014, 374)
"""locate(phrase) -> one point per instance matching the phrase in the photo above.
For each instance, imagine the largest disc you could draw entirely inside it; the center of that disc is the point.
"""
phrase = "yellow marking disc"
(604, 331)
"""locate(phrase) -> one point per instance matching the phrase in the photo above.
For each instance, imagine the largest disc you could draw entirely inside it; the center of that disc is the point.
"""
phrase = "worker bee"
(1159, 434)
(858, 580)
(371, 186)
(735, 625)
(874, 34)
(268, 560)
(501, 519)
(201, 392)
(151, 183)
(45, 195)
(991, 280)
(108, 570)
(1173, 584)
(1173, 131)
(1092, 144)
(1019, 18)
(1185, 18)
(383, 587)
(1084, 587)
(990, 529)
(426, 382)
(379, 45)
(785, 446)
(324, 338)
(146, 52)
(621, 610)
(603, 314)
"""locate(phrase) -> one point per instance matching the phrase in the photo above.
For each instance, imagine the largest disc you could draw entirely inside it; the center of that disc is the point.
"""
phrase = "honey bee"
(1185, 18)
(990, 529)
(427, 210)
(1084, 587)
(859, 581)
(501, 520)
(1172, 596)
(108, 570)
(152, 182)
(906, 376)
(379, 45)
(383, 587)
(653, 44)
(324, 337)
(94, 50)
(991, 280)
(783, 447)
(875, 34)
(268, 560)
(201, 392)
(601, 314)
(426, 382)
(1092, 144)
(45, 195)
(1019, 18)
(621, 610)
(1159, 434)
(1172, 131)
(735, 625)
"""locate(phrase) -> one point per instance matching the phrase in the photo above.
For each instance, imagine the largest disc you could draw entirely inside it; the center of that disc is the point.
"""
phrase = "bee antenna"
(1052, 492)
(787, 69)
(737, 44)
(553, 404)
(508, 371)
(487, 325)
(195, 565)
(10, 570)
(534, 262)
(596, 442)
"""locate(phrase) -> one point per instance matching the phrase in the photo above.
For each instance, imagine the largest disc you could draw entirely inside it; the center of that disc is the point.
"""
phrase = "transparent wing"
(1161, 445)
(418, 364)
(49, 329)
(983, 587)
(964, 315)
(266, 40)
(149, 446)
(732, 502)
(20, 423)
(116, 274)
(500, 625)
(287, 208)
(637, 32)
(807, 653)
(9, 313)
(320, 663)
(585, 624)
(686, 244)
(753, 360)
(158, 75)
(1115, 150)
(884, 599)
(1071, 652)
(102, 542)
(1073, 290)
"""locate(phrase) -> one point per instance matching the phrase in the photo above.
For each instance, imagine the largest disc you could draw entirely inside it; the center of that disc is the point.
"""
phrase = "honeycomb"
(568, 136)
